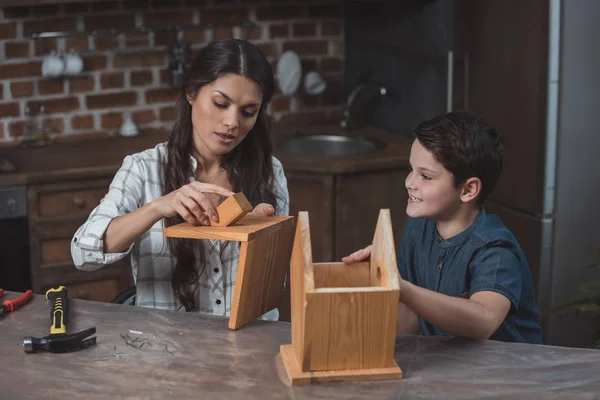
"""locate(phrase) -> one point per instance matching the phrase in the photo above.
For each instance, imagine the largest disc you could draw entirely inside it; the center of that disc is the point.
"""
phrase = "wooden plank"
(232, 210)
(384, 264)
(354, 329)
(291, 374)
(262, 268)
(340, 275)
(248, 228)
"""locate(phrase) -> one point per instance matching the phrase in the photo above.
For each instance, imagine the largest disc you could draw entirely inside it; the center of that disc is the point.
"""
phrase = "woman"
(219, 145)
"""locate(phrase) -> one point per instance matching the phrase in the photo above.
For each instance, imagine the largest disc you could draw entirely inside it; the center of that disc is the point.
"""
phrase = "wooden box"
(343, 316)
(266, 246)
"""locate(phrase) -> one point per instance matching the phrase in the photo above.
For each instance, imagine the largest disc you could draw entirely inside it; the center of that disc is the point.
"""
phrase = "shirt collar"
(461, 237)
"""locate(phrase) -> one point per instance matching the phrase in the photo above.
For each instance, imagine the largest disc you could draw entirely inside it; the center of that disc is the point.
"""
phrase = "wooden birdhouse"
(343, 316)
(265, 250)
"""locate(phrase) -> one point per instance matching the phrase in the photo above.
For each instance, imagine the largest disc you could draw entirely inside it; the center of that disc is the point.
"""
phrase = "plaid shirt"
(138, 182)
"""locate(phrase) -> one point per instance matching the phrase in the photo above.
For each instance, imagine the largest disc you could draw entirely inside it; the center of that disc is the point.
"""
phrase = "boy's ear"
(470, 189)
(189, 99)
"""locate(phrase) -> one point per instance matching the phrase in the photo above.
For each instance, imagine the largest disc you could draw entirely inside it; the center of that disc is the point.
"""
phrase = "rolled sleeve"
(280, 189)
(124, 196)
(496, 268)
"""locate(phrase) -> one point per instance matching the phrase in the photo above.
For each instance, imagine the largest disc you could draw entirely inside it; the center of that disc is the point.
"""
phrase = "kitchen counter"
(83, 158)
(187, 355)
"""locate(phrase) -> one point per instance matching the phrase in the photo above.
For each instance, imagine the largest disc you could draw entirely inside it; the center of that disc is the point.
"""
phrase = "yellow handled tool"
(59, 312)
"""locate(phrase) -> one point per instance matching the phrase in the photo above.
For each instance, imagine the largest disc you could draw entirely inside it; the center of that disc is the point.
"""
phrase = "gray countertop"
(188, 355)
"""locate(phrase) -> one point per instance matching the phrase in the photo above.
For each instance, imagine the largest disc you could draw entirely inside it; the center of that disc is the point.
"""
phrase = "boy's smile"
(431, 190)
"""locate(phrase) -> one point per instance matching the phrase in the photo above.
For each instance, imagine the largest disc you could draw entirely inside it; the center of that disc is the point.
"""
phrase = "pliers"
(10, 305)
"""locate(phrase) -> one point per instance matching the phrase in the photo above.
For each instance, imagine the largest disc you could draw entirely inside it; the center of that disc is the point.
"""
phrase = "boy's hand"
(264, 209)
(359, 255)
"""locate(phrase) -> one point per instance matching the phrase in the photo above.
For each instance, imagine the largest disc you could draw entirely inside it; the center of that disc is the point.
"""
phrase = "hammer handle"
(59, 313)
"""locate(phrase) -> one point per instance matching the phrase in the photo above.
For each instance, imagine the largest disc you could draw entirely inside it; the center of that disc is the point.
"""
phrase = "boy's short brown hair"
(467, 146)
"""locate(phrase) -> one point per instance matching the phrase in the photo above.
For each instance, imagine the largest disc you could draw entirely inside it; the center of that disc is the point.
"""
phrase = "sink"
(331, 145)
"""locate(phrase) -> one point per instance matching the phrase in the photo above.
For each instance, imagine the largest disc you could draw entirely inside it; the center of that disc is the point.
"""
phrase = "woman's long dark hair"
(249, 165)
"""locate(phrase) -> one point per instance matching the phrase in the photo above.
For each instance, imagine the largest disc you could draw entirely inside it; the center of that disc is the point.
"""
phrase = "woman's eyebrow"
(229, 99)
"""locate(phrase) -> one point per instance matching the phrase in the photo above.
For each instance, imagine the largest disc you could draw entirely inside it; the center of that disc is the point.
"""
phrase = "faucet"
(358, 89)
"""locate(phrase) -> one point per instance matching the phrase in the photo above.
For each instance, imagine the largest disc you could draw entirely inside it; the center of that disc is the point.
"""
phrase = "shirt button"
(439, 240)
(216, 270)
(218, 301)
(438, 267)
(74, 240)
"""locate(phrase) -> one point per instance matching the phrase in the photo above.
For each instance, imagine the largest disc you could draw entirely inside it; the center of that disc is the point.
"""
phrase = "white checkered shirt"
(138, 182)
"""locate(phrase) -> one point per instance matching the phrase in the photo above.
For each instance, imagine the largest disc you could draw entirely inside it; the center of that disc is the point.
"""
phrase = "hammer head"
(60, 343)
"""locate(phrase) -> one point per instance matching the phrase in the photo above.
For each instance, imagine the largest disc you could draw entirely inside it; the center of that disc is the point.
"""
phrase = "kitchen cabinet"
(56, 210)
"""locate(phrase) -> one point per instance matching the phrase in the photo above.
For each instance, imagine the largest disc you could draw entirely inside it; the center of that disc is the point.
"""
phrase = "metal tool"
(12, 305)
(59, 341)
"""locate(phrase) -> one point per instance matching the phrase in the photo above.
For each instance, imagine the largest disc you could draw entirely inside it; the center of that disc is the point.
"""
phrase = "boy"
(462, 271)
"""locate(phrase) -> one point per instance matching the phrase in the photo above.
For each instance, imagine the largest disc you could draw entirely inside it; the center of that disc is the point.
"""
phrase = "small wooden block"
(295, 375)
(232, 210)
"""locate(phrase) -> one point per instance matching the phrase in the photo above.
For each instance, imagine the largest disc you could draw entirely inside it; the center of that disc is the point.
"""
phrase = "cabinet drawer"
(69, 203)
(55, 251)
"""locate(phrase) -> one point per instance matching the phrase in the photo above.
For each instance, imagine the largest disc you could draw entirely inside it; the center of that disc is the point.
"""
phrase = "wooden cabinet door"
(359, 198)
(501, 72)
(314, 193)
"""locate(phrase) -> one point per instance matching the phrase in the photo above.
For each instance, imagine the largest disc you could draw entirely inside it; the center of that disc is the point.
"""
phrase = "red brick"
(252, 33)
(331, 28)
(163, 38)
(94, 62)
(278, 31)
(106, 42)
(307, 47)
(194, 36)
(77, 8)
(51, 86)
(161, 4)
(1, 93)
(223, 16)
(49, 25)
(111, 120)
(165, 77)
(274, 13)
(1, 130)
(308, 64)
(8, 30)
(56, 125)
(135, 5)
(163, 19)
(22, 89)
(16, 128)
(16, 49)
(280, 104)
(77, 43)
(105, 6)
(16, 12)
(112, 80)
(121, 99)
(82, 122)
(9, 110)
(143, 117)
(81, 83)
(305, 29)
(140, 78)
(194, 3)
(333, 93)
(167, 114)
(140, 59)
(308, 101)
(92, 22)
(269, 49)
(165, 95)
(137, 40)
(46, 10)
(55, 106)
(222, 32)
(326, 11)
(44, 46)
(331, 64)
(338, 47)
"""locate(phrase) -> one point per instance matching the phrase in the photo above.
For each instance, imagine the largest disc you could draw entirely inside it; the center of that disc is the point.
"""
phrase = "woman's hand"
(359, 255)
(193, 202)
(264, 209)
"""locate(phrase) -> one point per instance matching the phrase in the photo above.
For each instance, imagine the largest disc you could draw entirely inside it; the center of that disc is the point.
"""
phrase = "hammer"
(58, 341)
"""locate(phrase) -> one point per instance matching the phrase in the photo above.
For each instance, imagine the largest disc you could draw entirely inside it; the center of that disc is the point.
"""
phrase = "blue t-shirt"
(484, 257)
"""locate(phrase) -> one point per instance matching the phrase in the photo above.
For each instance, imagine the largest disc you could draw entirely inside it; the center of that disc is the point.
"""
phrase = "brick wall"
(127, 74)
